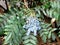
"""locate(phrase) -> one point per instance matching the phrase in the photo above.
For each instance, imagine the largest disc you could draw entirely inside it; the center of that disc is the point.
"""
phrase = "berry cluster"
(32, 25)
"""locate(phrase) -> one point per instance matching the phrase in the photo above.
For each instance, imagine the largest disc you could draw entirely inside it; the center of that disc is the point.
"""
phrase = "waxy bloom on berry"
(32, 25)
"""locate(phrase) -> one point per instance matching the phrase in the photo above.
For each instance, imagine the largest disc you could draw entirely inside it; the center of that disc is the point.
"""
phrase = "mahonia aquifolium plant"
(32, 25)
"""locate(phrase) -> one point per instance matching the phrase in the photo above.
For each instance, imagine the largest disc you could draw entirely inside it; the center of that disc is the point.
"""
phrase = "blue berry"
(33, 25)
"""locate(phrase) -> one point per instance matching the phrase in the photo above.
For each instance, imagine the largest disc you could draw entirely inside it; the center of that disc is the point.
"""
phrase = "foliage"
(54, 10)
(47, 33)
(1, 25)
(30, 40)
(13, 28)
(11, 23)
(3, 18)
